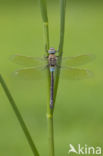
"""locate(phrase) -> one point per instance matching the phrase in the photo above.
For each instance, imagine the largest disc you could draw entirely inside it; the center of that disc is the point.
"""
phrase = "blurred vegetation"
(79, 106)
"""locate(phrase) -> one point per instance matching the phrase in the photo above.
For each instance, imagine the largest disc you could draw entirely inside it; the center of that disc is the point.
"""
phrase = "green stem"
(62, 25)
(46, 32)
(43, 6)
(51, 135)
(19, 117)
(61, 44)
(50, 127)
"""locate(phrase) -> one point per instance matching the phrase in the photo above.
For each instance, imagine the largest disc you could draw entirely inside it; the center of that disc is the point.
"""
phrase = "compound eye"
(51, 51)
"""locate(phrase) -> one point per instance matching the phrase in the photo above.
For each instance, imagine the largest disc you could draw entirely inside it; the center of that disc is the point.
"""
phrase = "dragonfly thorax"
(52, 61)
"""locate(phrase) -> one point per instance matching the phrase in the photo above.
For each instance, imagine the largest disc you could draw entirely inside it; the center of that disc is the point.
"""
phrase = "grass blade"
(19, 117)
(62, 25)
(43, 7)
(61, 44)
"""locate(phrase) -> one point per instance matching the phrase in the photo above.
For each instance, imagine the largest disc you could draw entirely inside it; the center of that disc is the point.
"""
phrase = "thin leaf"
(43, 6)
(61, 44)
(19, 117)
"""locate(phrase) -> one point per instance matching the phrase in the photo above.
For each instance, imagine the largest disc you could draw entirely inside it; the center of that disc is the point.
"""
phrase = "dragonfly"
(34, 67)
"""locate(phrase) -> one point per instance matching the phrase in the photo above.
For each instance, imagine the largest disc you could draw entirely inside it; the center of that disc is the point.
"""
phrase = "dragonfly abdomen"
(51, 90)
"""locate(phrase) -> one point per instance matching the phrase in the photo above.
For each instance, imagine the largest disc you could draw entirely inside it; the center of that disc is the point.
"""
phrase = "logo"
(84, 149)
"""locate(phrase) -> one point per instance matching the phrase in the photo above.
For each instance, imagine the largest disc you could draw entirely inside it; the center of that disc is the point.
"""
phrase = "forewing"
(30, 73)
(76, 74)
(27, 61)
(78, 60)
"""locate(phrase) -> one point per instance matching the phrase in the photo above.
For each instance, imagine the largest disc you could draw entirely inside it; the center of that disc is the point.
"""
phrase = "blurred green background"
(79, 106)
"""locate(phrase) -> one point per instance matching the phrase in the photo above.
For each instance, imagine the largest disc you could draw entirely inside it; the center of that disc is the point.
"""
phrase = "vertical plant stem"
(61, 44)
(50, 128)
(19, 117)
(43, 6)
(51, 135)
(62, 25)
(46, 32)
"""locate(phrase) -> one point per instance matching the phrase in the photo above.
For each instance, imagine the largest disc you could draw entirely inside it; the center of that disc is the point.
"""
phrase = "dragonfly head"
(51, 51)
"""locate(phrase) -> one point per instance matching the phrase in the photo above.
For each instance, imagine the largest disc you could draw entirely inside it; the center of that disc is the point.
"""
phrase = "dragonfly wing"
(31, 73)
(76, 73)
(78, 60)
(27, 61)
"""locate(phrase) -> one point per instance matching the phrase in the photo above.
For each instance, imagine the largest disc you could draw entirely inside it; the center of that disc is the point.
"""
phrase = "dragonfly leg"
(45, 56)
(45, 67)
(58, 65)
